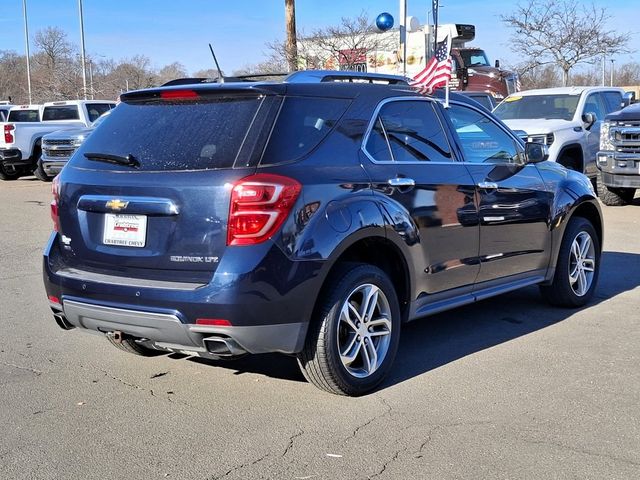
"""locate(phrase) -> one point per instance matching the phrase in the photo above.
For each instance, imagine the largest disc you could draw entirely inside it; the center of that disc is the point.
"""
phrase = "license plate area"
(125, 230)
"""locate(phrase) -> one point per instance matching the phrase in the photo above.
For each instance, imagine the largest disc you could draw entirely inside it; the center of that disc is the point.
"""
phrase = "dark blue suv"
(311, 217)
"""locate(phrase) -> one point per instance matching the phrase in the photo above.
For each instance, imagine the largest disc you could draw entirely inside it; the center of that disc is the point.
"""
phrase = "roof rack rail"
(319, 76)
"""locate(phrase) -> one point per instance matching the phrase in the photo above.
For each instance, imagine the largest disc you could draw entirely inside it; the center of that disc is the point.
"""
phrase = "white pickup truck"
(20, 144)
(567, 119)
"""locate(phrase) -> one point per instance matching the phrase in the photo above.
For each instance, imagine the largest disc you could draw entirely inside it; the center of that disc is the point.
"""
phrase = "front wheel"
(577, 267)
(40, 174)
(354, 336)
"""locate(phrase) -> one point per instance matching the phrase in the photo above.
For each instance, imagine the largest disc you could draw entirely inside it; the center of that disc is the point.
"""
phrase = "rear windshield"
(64, 112)
(24, 116)
(173, 135)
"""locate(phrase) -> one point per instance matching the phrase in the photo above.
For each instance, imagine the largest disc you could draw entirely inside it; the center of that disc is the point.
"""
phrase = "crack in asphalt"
(19, 367)
(143, 389)
(234, 469)
(370, 421)
(581, 450)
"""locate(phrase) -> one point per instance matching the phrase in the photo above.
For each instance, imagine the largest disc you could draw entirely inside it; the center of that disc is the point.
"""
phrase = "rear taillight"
(179, 94)
(55, 190)
(8, 135)
(259, 205)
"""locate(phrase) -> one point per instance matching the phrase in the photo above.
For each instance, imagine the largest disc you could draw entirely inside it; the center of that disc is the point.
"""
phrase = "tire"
(564, 291)
(331, 331)
(129, 345)
(41, 174)
(614, 197)
(5, 175)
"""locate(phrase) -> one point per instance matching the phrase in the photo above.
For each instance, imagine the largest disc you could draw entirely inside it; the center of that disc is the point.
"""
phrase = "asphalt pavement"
(508, 388)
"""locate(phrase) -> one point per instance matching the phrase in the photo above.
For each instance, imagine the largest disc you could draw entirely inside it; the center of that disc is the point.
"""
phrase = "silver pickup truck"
(21, 144)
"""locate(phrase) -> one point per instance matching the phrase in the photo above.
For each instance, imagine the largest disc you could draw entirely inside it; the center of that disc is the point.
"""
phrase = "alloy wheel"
(582, 263)
(364, 330)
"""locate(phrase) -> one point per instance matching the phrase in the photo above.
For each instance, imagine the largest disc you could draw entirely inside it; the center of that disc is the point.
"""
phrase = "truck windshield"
(474, 58)
(561, 107)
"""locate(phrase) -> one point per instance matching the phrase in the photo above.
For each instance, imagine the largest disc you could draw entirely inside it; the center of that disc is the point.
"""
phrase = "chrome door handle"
(401, 182)
(488, 185)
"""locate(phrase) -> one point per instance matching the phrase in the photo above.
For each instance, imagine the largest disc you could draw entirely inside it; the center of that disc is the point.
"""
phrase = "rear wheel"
(577, 267)
(9, 173)
(41, 174)
(354, 337)
(614, 197)
(129, 345)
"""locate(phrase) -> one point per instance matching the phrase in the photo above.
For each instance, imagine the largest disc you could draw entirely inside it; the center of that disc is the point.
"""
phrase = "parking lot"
(507, 388)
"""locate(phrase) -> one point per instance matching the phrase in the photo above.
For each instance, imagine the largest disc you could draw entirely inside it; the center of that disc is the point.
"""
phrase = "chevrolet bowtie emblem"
(116, 204)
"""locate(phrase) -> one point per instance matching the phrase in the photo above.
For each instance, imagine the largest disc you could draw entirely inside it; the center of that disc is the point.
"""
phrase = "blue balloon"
(384, 22)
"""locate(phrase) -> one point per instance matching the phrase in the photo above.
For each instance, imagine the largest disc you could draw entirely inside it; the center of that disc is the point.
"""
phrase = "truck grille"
(59, 153)
(58, 142)
(625, 136)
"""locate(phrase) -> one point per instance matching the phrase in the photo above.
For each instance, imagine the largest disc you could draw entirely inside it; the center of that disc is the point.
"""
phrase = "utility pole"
(403, 35)
(26, 41)
(291, 47)
(612, 68)
(603, 68)
(82, 53)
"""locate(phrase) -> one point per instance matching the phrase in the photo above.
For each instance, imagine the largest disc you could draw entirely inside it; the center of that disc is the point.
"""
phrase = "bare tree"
(565, 33)
(52, 42)
(349, 44)
(171, 72)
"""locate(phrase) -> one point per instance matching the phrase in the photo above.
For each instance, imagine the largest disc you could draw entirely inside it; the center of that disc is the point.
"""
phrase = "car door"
(513, 203)
(409, 160)
(594, 103)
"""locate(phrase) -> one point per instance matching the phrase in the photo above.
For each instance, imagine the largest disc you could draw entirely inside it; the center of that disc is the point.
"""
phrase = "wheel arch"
(575, 152)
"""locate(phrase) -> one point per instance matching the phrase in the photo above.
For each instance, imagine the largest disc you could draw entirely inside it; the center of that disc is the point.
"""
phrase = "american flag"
(438, 70)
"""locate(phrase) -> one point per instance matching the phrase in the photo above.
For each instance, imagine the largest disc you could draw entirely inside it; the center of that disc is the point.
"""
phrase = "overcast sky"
(169, 31)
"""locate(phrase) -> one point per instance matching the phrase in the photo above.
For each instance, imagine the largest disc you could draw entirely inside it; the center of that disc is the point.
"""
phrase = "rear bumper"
(267, 313)
(166, 331)
(12, 157)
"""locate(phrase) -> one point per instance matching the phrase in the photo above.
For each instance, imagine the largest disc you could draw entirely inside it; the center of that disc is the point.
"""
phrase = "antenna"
(220, 76)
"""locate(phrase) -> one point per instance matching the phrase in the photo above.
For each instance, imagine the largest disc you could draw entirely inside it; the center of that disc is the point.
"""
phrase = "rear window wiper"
(128, 160)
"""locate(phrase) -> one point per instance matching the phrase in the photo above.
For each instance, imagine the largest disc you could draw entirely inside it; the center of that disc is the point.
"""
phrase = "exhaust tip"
(62, 321)
(223, 346)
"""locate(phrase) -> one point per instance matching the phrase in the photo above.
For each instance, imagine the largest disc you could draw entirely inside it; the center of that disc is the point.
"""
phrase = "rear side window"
(173, 135)
(302, 124)
(408, 131)
(62, 112)
(94, 110)
(24, 116)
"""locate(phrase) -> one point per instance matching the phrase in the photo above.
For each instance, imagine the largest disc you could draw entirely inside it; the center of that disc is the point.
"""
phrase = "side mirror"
(628, 98)
(589, 119)
(497, 63)
(535, 152)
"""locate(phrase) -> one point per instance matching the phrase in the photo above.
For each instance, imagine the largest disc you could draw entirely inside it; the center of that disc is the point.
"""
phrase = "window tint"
(94, 110)
(173, 135)
(482, 140)
(24, 116)
(413, 132)
(613, 101)
(377, 145)
(63, 112)
(3, 115)
(301, 125)
(595, 104)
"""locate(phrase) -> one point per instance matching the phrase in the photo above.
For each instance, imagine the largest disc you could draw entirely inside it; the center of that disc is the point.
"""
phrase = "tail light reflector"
(55, 190)
(259, 206)
(215, 322)
(54, 299)
(8, 135)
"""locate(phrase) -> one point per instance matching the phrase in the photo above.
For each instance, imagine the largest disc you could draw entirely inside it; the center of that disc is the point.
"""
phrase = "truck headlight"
(605, 138)
(543, 139)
